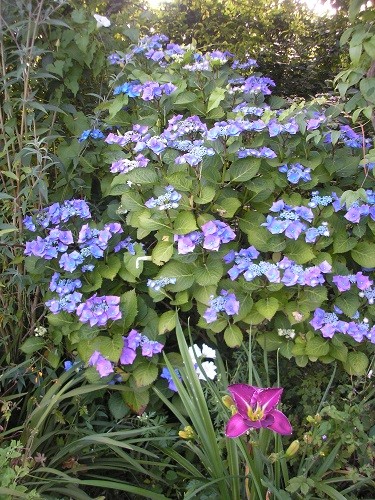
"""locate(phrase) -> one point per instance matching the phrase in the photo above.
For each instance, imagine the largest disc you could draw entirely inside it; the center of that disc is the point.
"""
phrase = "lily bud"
(292, 449)
(187, 433)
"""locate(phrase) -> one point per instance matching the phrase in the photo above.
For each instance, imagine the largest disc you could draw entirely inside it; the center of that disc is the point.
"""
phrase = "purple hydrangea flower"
(99, 310)
(102, 365)
(225, 302)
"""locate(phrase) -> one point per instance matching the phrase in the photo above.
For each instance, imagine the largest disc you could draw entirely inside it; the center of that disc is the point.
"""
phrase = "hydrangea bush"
(250, 214)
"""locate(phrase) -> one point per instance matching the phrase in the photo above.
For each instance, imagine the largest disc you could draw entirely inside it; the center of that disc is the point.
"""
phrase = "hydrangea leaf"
(364, 254)
(110, 268)
(356, 363)
(270, 341)
(244, 169)
(267, 307)
(299, 251)
(137, 400)
(348, 303)
(216, 96)
(209, 273)
(117, 406)
(162, 252)
(145, 373)
(233, 336)
(184, 223)
(316, 347)
(167, 322)
(129, 308)
(182, 272)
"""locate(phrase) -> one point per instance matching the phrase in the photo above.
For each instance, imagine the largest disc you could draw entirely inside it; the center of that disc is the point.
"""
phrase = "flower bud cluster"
(263, 152)
(124, 165)
(245, 109)
(166, 201)
(225, 302)
(350, 138)
(157, 284)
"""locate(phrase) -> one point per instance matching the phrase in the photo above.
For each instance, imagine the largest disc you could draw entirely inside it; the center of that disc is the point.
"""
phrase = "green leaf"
(145, 373)
(117, 104)
(227, 207)
(185, 98)
(167, 322)
(233, 336)
(110, 268)
(209, 273)
(311, 298)
(130, 200)
(215, 98)
(316, 347)
(32, 344)
(348, 303)
(136, 400)
(109, 347)
(129, 308)
(206, 194)
(182, 271)
(364, 254)
(244, 169)
(267, 307)
(299, 251)
(343, 243)
(338, 350)
(162, 252)
(116, 406)
(145, 175)
(356, 363)
(184, 223)
(270, 341)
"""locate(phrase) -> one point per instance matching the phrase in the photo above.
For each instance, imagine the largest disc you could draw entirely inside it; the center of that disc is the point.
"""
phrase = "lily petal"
(269, 398)
(243, 395)
(236, 426)
(281, 424)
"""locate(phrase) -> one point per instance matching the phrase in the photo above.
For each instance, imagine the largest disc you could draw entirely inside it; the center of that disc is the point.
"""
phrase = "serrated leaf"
(311, 298)
(217, 95)
(342, 243)
(146, 175)
(348, 303)
(129, 307)
(233, 336)
(299, 251)
(244, 169)
(227, 207)
(136, 400)
(184, 223)
(145, 373)
(356, 363)
(167, 322)
(32, 344)
(162, 252)
(182, 271)
(316, 347)
(339, 351)
(109, 347)
(208, 274)
(267, 307)
(270, 341)
(130, 201)
(206, 194)
(110, 268)
(117, 406)
(364, 254)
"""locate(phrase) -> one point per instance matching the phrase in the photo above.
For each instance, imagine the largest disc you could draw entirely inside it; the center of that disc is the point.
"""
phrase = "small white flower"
(102, 21)
(209, 369)
(208, 352)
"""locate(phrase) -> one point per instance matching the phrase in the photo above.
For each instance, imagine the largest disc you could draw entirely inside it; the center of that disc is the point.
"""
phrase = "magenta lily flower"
(256, 408)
